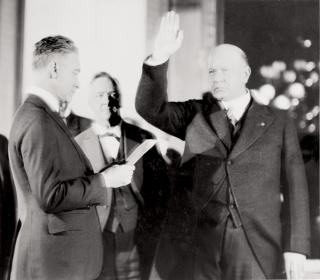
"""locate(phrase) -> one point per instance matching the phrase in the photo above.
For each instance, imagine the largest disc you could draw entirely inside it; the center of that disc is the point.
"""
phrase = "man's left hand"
(294, 265)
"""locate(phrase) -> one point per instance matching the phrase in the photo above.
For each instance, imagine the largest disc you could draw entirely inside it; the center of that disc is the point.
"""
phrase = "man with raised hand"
(227, 219)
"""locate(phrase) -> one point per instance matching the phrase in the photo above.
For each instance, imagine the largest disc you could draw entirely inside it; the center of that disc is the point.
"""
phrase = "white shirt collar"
(48, 98)
(101, 130)
(238, 105)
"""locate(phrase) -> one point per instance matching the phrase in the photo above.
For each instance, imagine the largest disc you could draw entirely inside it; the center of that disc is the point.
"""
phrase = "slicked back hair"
(49, 46)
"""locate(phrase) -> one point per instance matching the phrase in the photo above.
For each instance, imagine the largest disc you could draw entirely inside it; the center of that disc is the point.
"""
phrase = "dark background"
(272, 30)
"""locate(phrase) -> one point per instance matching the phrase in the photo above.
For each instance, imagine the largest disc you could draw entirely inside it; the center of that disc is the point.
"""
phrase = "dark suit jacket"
(264, 162)
(149, 184)
(77, 124)
(60, 236)
(7, 206)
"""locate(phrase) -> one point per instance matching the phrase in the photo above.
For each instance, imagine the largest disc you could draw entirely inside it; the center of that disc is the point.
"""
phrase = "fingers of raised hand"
(174, 22)
(180, 37)
(170, 23)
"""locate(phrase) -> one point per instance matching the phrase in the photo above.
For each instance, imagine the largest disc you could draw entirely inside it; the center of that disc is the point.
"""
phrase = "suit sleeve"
(153, 106)
(296, 220)
(43, 162)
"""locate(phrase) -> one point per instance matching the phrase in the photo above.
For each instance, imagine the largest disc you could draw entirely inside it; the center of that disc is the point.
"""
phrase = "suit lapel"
(128, 145)
(220, 125)
(257, 121)
(38, 102)
(93, 150)
(64, 127)
(202, 139)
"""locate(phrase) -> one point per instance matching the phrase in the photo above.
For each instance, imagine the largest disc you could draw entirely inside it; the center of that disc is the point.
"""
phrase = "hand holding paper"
(117, 175)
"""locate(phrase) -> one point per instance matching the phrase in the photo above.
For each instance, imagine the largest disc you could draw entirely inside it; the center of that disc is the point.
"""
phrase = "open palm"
(169, 37)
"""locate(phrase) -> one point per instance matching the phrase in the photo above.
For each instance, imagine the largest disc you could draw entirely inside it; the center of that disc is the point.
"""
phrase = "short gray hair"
(50, 45)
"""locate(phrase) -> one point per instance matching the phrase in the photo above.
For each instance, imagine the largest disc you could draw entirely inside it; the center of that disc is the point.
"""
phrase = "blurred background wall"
(11, 36)
(110, 36)
(280, 37)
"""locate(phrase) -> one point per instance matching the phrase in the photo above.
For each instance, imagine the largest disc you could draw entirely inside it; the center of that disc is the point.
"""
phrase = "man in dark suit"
(77, 124)
(56, 187)
(227, 219)
(7, 207)
(110, 140)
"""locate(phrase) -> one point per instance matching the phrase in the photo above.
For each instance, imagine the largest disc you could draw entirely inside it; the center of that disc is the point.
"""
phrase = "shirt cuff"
(152, 61)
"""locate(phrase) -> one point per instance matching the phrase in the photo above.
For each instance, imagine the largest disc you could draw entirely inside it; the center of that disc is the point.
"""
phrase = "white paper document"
(138, 153)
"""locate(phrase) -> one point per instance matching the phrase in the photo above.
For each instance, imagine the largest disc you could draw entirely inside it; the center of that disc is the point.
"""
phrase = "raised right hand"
(118, 175)
(169, 37)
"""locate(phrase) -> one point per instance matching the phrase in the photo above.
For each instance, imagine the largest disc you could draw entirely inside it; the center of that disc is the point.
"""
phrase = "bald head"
(228, 72)
(229, 50)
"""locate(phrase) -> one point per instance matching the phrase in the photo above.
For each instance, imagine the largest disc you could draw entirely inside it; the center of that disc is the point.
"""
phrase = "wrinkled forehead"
(101, 84)
(227, 57)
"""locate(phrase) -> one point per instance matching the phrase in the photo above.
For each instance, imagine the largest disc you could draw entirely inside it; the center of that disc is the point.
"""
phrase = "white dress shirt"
(110, 144)
(235, 108)
(48, 98)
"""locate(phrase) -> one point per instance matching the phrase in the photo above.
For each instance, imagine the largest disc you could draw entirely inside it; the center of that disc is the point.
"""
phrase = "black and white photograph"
(159, 139)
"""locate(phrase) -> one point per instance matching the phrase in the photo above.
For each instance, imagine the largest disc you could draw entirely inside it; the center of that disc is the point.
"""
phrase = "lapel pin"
(262, 124)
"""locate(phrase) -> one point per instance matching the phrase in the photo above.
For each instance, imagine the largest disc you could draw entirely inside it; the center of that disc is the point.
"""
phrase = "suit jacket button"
(229, 162)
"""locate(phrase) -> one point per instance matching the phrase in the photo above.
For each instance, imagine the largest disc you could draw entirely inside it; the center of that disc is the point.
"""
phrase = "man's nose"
(105, 98)
(218, 76)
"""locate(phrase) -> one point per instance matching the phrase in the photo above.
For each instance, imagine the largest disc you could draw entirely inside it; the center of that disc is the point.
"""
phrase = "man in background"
(56, 187)
(131, 221)
(227, 219)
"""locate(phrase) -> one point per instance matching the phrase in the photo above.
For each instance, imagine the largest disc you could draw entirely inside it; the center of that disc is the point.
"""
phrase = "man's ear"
(53, 70)
(247, 73)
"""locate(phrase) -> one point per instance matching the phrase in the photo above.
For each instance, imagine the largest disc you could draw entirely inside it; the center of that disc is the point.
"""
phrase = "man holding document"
(107, 143)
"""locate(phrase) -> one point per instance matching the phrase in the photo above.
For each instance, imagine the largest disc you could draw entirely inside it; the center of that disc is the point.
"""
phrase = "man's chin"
(105, 115)
(219, 94)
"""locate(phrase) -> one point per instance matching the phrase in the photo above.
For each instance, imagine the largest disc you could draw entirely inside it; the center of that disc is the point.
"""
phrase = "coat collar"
(202, 138)
(128, 141)
(48, 98)
(220, 125)
(93, 150)
(257, 121)
(37, 101)
(54, 115)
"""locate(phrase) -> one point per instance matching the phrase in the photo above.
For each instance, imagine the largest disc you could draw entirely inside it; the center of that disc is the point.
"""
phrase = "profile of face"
(101, 89)
(228, 72)
(65, 68)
